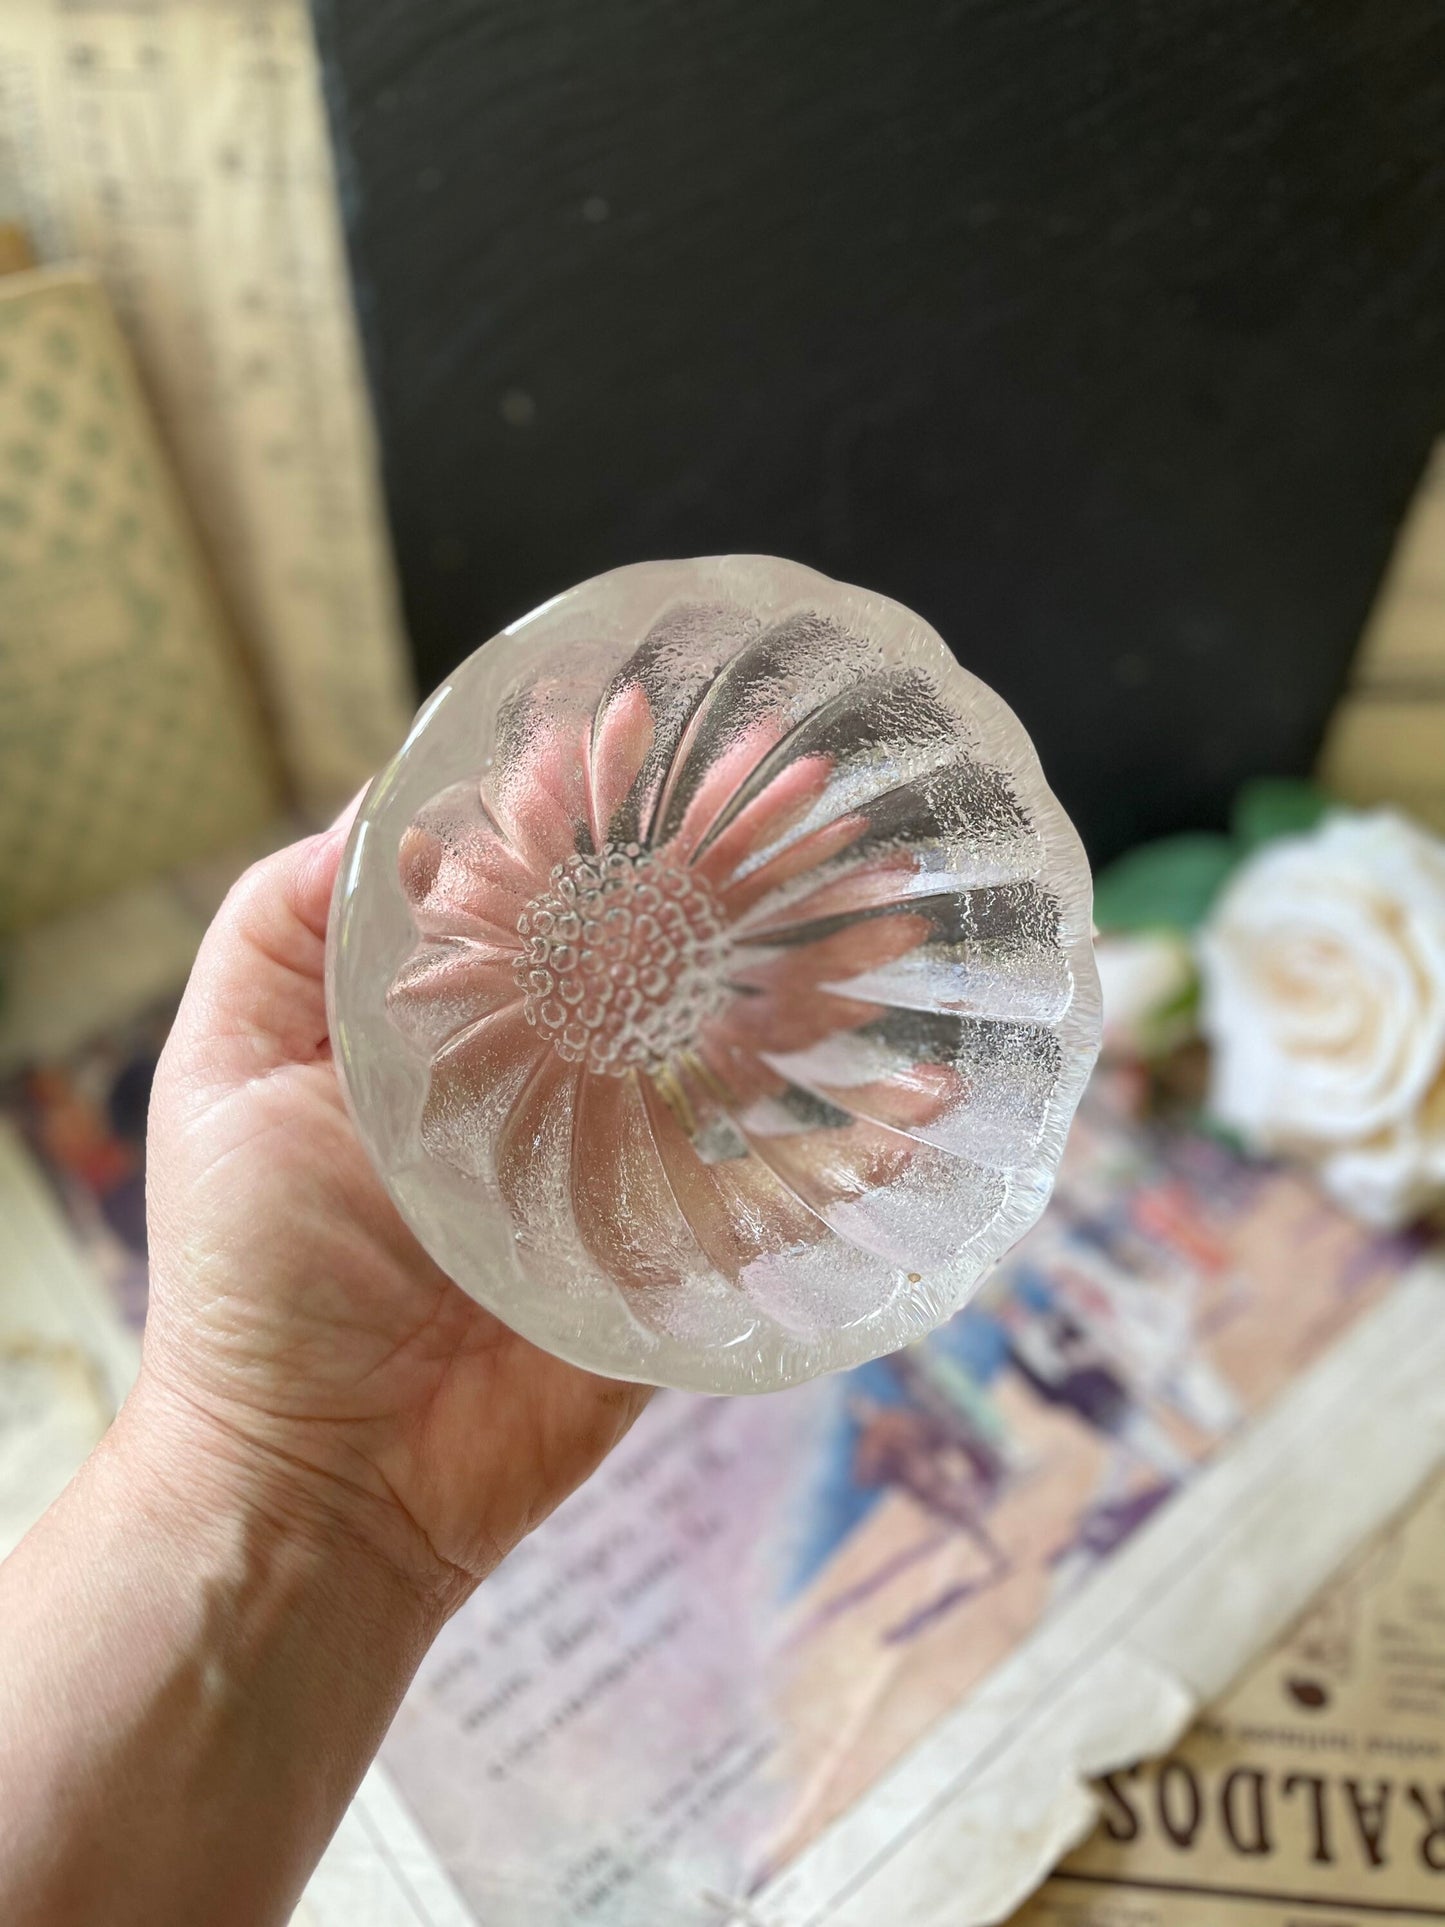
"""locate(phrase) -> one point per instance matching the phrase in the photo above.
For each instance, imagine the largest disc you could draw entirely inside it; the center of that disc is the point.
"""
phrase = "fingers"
(256, 996)
(459, 874)
(444, 987)
(347, 816)
(735, 1209)
(798, 968)
(621, 740)
(876, 884)
(770, 815)
(543, 797)
(810, 852)
(475, 1080)
(722, 778)
(626, 1211)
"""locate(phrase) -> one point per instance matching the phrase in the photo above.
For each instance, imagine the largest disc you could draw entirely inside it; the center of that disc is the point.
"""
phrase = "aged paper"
(1313, 1791)
(129, 737)
(52, 1412)
(53, 1301)
(84, 976)
(848, 1654)
(181, 146)
(1386, 741)
(65, 1360)
(851, 1654)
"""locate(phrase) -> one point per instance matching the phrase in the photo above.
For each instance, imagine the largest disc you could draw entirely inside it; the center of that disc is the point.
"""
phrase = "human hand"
(300, 1341)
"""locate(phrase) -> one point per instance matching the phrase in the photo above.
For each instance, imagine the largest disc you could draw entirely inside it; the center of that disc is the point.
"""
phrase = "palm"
(292, 1301)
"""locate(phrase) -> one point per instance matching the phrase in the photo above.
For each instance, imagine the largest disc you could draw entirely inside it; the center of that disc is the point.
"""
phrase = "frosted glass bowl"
(710, 976)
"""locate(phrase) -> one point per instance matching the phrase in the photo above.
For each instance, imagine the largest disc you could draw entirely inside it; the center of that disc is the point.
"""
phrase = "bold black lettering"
(1432, 1840)
(1371, 1811)
(1179, 1818)
(1121, 1822)
(1245, 1809)
(1319, 1822)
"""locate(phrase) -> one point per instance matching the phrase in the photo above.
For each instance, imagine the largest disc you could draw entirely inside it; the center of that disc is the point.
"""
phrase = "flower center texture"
(625, 956)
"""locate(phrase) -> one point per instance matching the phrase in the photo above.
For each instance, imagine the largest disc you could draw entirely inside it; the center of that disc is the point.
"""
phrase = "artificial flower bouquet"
(1300, 961)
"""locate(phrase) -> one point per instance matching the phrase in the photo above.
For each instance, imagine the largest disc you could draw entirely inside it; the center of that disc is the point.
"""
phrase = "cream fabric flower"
(1144, 979)
(1323, 967)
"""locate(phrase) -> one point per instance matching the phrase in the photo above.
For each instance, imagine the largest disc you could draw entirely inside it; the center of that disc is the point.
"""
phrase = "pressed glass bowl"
(710, 975)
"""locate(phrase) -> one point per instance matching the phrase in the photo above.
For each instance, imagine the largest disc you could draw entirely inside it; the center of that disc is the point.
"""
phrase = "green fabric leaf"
(1168, 885)
(1274, 806)
(1222, 1133)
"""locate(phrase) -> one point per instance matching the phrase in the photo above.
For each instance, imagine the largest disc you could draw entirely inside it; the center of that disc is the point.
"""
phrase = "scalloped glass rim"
(372, 932)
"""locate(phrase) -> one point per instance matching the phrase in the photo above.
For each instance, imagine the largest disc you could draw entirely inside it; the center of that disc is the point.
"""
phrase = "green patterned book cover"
(130, 739)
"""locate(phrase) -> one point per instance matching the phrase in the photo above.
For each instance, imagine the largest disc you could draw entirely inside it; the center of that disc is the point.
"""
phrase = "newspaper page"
(1313, 1792)
(181, 147)
(847, 1654)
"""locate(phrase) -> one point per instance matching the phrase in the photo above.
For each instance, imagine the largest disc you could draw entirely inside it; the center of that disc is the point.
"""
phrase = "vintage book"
(182, 149)
(130, 738)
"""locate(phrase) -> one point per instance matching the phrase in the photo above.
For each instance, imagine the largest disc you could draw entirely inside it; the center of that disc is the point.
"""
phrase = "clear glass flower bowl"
(710, 976)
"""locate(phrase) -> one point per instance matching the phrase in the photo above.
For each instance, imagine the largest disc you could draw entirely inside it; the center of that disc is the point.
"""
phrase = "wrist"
(222, 1654)
(225, 1496)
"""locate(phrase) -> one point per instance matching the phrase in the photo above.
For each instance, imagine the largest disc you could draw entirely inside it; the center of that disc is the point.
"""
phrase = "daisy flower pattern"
(711, 976)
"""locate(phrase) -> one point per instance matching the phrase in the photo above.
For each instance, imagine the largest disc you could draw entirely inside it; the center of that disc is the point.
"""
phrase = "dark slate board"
(1111, 338)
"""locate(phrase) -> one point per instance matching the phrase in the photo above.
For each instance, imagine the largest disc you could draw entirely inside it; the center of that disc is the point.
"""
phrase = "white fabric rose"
(1144, 979)
(1323, 966)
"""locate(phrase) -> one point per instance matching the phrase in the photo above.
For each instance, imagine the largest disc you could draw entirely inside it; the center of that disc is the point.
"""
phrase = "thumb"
(256, 998)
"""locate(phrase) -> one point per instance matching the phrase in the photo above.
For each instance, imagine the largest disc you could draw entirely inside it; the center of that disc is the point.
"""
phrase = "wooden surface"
(1110, 338)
